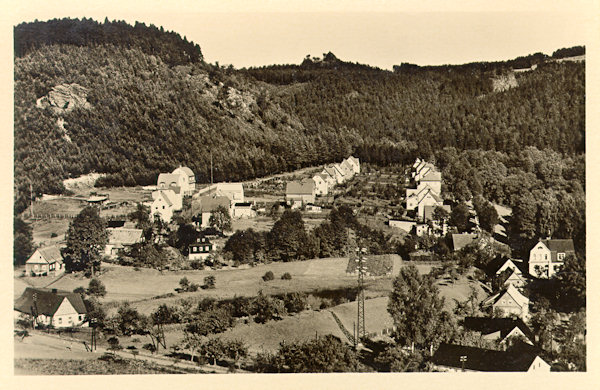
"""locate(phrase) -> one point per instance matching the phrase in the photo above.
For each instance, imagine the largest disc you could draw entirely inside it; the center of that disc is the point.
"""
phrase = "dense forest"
(151, 103)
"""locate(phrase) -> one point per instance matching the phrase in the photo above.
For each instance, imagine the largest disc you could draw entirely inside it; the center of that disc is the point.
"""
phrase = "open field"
(377, 317)
(43, 229)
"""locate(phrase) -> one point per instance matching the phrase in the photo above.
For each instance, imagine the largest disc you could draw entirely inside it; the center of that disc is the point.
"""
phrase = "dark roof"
(487, 325)
(47, 301)
(461, 240)
(494, 265)
(479, 359)
(305, 187)
(560, 245)
(208, 204)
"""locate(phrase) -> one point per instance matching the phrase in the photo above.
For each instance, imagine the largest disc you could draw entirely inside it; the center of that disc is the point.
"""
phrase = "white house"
(330, 180)
(60, 309)
(432, 179)
(172, 181)
(190, 179)
(45, 262)
(348, 169)
(321, 187)
(335, 173)
(165, 203)
(355, 163)
(234, 191)
(201, 249)
(243, 210)
(547, 257)
(510, 301)
(429, 198)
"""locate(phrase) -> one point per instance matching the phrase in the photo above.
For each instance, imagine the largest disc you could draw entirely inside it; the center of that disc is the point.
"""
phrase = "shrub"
(193, 287)
(196, 264)
(209, 282)
(286, 276)
(184, 283)
(149, 347)
(53, 235)
(96, 288)
(268, 276)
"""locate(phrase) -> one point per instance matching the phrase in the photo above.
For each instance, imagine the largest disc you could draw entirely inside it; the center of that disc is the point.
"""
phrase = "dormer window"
(560, 256)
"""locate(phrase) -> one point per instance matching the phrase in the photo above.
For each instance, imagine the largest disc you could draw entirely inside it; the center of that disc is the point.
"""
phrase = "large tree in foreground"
(86, 238)
(418, 311)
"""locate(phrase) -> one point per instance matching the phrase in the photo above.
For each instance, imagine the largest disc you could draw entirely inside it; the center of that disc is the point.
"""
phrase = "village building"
(330, 180)
(547, 257)
(311, 208)
(166, 202)
(51, 307)
(120, 238)
(432, 179)
(98, 200)
(335, 173)
(510, 301)
(298, 193)
(190, 179)
(321, 185)
(171, 181)
(354, 163)
(509, 269)
(234, 191)
(200, 250)
(204, 206)
(243, 210)
(348, 169)
(500, 330)
(45, 262)
(456, 358)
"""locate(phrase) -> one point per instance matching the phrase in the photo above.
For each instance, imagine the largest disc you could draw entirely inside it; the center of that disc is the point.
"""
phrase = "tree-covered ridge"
(146, 116)
(168, 45)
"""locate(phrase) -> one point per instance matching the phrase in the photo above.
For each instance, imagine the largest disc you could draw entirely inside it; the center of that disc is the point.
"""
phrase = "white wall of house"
(540, 256)
(244, 212)
(427, 200)
(321, 187)
(162, 208)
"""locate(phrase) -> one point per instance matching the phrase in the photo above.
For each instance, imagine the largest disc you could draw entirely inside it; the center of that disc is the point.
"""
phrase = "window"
(560, 256)
(80, 317)
(60, 320)
(546, 256)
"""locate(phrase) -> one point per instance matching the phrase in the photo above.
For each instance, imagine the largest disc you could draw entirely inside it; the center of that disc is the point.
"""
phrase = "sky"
(378, 33)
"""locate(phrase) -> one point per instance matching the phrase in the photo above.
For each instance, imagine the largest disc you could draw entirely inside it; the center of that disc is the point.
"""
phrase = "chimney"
(54, 291)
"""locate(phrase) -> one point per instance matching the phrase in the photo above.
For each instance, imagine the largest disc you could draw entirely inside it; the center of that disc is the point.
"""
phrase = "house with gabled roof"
(234, 191)
(321, 187)
(348, 169)
(120, 238)
(298, 193)
(170, 181)
(190, 179)
(334, 173)
(500, 329)
(46, 261)
(430, 198)
(510, 301)
(354, 163)
(456, 358)
(165, 202)
(433, 179)
(511, 270)
(204, 206)
(330, 180)
(60, 309)
(547, 257)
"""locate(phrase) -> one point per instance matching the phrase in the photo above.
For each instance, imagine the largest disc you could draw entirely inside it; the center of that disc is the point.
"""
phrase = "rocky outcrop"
(64, 98)
(504, 82)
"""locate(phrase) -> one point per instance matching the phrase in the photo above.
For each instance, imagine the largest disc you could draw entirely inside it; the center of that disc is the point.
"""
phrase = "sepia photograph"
(298, 187)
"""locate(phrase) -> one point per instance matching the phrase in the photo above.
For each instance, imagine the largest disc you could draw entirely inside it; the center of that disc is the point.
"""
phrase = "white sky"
(379, 33)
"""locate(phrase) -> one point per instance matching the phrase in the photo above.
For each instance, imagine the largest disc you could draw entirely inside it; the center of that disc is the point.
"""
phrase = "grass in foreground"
(101, 366)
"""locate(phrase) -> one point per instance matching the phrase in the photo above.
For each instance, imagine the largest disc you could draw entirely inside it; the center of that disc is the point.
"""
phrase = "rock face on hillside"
(64, 98)
(504, 82)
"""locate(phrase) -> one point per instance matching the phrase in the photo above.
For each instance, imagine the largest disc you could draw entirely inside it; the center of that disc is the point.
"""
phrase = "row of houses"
(424, 194)
(303, 192)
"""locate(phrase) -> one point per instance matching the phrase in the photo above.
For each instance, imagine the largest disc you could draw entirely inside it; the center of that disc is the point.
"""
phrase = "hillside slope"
(138, 111)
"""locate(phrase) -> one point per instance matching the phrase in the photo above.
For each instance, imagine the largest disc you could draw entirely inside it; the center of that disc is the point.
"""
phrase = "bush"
(184, 283)
(196, 264)
(268, 276)
(53, 235)
(149, 347)
(286, 276)
(193, 287)
(96, 288)
(209, 282)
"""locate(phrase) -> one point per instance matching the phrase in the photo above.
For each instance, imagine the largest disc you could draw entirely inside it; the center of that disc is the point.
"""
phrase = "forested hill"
(126, 104)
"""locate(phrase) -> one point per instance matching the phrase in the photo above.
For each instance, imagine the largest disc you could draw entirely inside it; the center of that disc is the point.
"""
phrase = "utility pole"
(360, 325)
(31, 198)
(211, 170)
